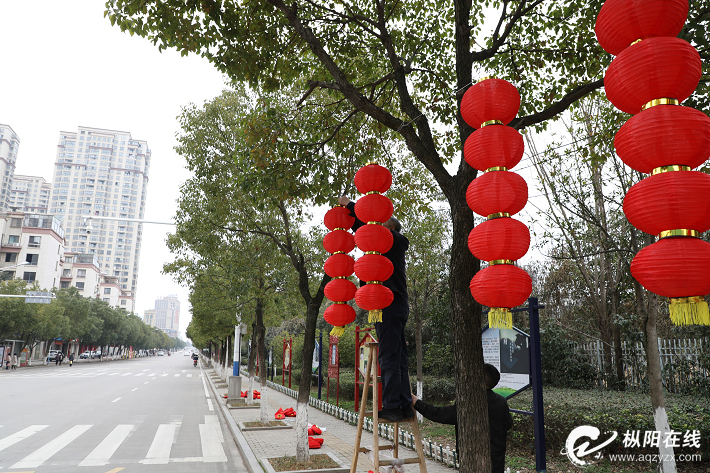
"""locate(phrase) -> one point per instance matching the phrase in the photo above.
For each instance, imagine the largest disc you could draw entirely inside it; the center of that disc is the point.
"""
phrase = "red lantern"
(668, 201)
(373, 268)
(340, 265)
(621, 22)
(338, 240)
(501, 285)
(497, 191)
(374, 208)
(498, 239)
(338, 217)
(340, 290)
(663, 135)
(490, 100)
(373, 177)
(653, 69)
(374, 297)
(494, 145)
(339, 315)
(374, 238)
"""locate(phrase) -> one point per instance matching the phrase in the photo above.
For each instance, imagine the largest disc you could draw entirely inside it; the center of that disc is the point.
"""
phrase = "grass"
(318, 462)
(272, 423)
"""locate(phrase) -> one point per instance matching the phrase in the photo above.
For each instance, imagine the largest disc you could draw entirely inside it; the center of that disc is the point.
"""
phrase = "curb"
(342, 469)
(250, 460)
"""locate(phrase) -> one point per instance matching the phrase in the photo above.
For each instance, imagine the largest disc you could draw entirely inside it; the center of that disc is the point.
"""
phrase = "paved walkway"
(339, 436)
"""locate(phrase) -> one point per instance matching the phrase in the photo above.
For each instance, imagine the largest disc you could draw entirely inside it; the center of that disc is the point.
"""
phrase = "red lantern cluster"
(494, 148)
(653, 72)
(340, 267)
(373, 239)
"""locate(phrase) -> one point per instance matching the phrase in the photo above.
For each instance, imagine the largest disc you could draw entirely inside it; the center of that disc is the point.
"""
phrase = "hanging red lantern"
(339, 315)
(340, 289)
(338, 217)
(677, 267)
(670, 200)
(373, 178)
(338, 240)
(499, 239)
(373, 267)
(373, 297)
(663, 135)
(374, 208)
(621, 22)
(490, 100)
(374, 238)
(501, 287)
(497, 192)
(339, 265)
(655, 68)
(494, 146)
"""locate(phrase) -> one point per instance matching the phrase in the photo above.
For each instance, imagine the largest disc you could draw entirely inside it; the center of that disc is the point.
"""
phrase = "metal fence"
(682, 366)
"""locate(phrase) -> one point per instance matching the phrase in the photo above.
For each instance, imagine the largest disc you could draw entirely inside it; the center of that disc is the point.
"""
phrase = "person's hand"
(343, 200)
(414, 399)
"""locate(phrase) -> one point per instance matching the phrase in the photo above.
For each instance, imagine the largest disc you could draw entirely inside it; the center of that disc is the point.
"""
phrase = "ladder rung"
(387, 421)
(368, 414)
(406, 461)
(385, 446)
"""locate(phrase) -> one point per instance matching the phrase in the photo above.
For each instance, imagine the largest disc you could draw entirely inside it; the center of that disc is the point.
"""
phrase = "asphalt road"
(153, 414)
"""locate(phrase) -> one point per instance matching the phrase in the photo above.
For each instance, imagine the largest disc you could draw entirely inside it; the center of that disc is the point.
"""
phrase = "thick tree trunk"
(418, 339)
(261, 350)
(251, 366)
(304, 384)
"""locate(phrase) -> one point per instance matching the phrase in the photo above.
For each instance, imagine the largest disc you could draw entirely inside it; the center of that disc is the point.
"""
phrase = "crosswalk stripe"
(140, 374)
(21, 435)
(177, 375)
(159, 451)
(209, 404)
(152, 374)
(189, 375)
(164, 374)
(212, 451)
(36, 458)
(126, 374)
(101, 454)
(113, 374)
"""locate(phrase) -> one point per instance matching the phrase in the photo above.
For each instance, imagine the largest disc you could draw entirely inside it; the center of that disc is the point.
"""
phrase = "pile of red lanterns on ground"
(256, 394)
(653, 72)
(282, 413)
(314, 442)
(493, 149)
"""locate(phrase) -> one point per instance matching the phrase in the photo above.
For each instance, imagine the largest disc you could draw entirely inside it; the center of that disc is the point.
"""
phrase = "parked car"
(92, 354)
(160, 353)
(52, 354)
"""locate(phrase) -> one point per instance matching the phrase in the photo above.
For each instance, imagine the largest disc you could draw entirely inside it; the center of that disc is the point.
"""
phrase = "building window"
(80, 285)
(34, 241)
(66, 273)
(13, 239)
(64, 284)
(107, 290)
(80, 273)
(16, 222)
(106, 299)
(32, 259)
(29, 277)
(123, 302)
(10, 257)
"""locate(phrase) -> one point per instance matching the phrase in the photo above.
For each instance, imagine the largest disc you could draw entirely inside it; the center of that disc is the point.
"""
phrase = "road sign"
(38, 297)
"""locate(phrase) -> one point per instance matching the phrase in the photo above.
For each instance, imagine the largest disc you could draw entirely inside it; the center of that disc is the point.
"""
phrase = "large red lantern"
(373, 238)
(490, 101)
(339, 315)
(374, 208)
(373, 178)
(339, 241)
(339, 266)
(494, 146)
(340, 289)
(497, 192)
(338, 217)
(374, 297)
(373, 267)
(499, 239)
(500, 287)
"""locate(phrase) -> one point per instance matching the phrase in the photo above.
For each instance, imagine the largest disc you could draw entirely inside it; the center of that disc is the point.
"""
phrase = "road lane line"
(116, 470)
(209, 404)
(36, 458)
(134, 389)
(102, 454)
(112, 374)
(116, 400)
(189, 375)
(164, 374)
(204, 385)
(212, 451)
(159, 451)
(147, 369)
(152, 374)
(140, 374)
(21, 435)
(126, 374)
(146, 382)
(177, 375)
(213, 419)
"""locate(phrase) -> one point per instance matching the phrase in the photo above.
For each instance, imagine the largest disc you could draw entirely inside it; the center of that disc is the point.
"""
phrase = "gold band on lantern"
(679, 232)
(339, 253)
(497, 168)
(374, 282)
(340, 302)
(500, 261)
(663, 101)
(340, 277)
(674, 167)
(634, 42)
(498, 215)
(491, 122)
(372, 192)
(372, 222)
(370, 162)
(340, 228)
(373, 253)
(485, 78)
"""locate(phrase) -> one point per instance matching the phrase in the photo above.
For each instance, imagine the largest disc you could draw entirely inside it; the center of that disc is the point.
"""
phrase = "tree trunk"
(251, 365)
(418, 339)
(304, 384)
(260, 333)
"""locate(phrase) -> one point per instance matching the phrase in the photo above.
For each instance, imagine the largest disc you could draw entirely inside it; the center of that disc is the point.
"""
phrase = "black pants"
(392, 357)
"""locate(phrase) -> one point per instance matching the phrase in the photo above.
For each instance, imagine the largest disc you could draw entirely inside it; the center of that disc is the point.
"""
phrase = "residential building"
(33, 245)
(98, 191)
(9, 144)
(167, 314)
(29, 194)
(149, 317)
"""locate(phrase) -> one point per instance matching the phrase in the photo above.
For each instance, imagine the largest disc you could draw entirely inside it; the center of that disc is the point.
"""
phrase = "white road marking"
(140, 374)
(134, 389)
(21, 435)
(112, 374)
(152, 374)
(204, 385)
(159, 452)
(209, 405)
(164, 374)
(177, 375)
(213, 419)
(189, 375)
(147, 369)
(126, 374)
(102, 454)
(36, 458)
(116, 400)
(146, 382)
(212, 451)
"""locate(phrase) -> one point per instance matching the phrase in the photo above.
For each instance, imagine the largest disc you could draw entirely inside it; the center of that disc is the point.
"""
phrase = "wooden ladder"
(371, 374)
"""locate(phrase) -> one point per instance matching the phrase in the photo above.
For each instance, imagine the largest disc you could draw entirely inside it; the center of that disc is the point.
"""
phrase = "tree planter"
(243, 428)
(340, 469)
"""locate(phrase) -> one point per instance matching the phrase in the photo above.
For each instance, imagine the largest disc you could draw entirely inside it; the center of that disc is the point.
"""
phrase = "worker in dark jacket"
(393, 354)
(499, 419)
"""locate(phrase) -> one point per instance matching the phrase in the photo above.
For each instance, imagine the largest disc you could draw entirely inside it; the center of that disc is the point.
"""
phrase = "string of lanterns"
(493, 149)
(653, 72)
(339, 266)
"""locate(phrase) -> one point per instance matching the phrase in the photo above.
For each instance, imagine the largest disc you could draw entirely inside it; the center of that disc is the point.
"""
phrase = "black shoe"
(408, 412)
(393, 415)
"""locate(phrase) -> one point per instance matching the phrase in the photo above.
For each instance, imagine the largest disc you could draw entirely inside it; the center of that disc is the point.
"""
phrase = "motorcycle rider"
(194, 359)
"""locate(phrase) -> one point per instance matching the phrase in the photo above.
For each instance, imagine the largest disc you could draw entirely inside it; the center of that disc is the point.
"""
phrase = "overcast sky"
(64, 66)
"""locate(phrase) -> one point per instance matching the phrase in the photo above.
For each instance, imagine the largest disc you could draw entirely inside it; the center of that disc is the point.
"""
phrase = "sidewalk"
(38, 364)
(339, 435)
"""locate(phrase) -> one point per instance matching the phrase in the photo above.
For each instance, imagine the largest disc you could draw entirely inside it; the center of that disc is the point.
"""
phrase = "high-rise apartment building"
(29, 194)
(167, 314)
(98, 191)
(9, 144)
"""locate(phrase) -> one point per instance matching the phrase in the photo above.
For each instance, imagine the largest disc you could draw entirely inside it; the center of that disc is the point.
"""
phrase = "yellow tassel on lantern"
(337, 332)
(500, 317)
(689, 311)
(374, 316)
